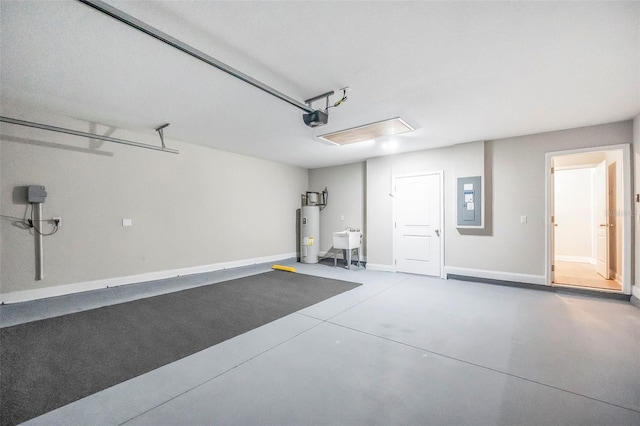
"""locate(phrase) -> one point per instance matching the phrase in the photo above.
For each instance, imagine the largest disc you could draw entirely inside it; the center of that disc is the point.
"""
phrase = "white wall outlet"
(57, 220)
(523, 219)
(342, 217)
(127, 222)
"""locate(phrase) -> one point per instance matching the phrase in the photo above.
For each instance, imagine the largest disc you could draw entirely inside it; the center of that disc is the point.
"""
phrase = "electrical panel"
(36, 194)
(469, 201)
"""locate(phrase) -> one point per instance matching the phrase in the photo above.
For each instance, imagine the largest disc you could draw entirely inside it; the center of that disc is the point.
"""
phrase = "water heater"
(309, 234)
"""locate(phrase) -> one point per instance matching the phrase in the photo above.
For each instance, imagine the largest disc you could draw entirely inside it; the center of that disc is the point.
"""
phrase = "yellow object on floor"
(284, 268)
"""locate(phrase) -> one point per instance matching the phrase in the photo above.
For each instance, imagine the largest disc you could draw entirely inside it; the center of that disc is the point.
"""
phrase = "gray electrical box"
(469, 201)
(36, 194)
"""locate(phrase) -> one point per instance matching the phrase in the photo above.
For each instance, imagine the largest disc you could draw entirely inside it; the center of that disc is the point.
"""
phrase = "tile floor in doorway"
(582, 274)
(400, 349)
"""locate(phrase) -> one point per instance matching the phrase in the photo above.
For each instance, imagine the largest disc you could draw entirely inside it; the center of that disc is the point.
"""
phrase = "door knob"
(437, 231)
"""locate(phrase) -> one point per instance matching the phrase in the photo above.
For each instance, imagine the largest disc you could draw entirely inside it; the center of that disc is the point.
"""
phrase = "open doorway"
(587, 221)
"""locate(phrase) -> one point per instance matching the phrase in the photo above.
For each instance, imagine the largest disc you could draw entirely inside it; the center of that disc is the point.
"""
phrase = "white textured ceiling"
(457, 71)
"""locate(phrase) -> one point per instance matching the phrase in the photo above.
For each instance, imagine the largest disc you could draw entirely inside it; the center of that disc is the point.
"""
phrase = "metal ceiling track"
(162, 148)
(198, 54)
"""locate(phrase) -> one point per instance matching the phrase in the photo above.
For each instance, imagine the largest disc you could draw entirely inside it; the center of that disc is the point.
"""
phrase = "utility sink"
(346, 240)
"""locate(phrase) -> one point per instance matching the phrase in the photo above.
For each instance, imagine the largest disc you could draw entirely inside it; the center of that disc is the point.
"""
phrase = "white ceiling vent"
(392, 126)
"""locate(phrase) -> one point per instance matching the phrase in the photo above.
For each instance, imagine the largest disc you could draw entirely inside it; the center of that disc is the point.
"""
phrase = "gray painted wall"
(515, 176)
(457, 161)
(346, 186)
(380, 172)
(200, 207)
(206, 206)
(518, 176)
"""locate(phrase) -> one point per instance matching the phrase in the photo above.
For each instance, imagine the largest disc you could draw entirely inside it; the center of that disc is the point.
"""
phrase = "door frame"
(626, 203)
(393, 218)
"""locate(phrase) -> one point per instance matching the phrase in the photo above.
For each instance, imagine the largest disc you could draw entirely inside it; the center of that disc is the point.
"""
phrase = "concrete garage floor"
(400, 349)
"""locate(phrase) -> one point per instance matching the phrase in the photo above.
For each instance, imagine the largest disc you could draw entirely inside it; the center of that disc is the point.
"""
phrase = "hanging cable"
(11, 217)
(32, 224)
(325, 200)
(344, 98)
(339, 102)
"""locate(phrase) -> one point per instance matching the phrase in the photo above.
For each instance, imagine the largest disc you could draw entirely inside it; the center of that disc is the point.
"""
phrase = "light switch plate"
(523, 219)
(127, 222)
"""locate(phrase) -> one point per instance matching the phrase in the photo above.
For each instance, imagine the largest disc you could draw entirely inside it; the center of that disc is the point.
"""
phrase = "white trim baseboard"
(380, 267)
(65, 289)
(497, 275)
(579, 259)
(635, 291)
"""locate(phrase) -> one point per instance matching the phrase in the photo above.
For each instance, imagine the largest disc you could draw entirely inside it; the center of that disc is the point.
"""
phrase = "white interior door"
(417, 232)
(601, 207)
